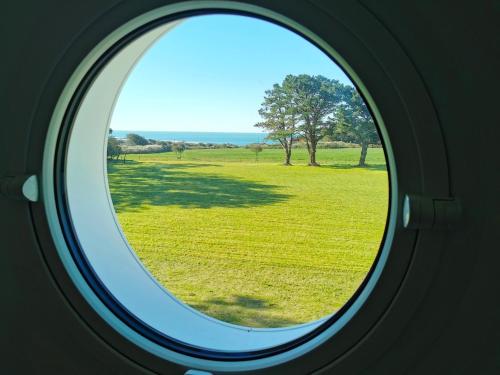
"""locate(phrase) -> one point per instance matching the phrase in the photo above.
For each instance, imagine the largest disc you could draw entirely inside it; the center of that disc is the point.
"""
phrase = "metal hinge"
(422, 212)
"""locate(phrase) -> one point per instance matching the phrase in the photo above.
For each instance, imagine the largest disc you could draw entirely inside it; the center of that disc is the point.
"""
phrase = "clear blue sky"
(210, 72)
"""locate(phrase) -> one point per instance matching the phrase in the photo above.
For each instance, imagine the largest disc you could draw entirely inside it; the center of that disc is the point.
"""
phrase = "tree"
(179, 149)
(113, 148)
(314, 98)
(136, 140)
(354, 123)
(280, 118)
(256, 148)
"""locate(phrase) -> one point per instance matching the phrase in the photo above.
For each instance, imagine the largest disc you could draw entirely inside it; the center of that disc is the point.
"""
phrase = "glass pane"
(247, 173)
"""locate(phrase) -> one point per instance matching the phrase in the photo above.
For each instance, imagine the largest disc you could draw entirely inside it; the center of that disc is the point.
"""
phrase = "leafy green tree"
(113, 148)
(313, 98)
(179, 149)
(353, 122)
(279, 118)
(256, 148)
(136, 140)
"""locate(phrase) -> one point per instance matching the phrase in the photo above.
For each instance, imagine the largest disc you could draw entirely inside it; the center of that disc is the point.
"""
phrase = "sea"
(239, 139)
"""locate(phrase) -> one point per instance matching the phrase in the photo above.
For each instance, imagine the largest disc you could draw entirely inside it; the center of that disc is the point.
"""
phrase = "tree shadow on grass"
(372, 167)
(244, 310)
(138, 184)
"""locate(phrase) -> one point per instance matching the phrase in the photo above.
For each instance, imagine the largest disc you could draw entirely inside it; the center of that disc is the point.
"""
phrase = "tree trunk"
(288, 156)
(287, 146)
(364, 151)
(312, 155)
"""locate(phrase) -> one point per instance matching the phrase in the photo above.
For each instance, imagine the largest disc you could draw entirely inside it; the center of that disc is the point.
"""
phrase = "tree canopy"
(299, 106)
(179, 149)
(314, 98)
(113, 148)
(311, 107)
(353, 122)
(256, 148)
(279, 118)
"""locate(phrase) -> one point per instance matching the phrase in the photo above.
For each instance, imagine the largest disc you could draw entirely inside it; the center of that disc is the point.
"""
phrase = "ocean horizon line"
(235, 138)
(182, 131)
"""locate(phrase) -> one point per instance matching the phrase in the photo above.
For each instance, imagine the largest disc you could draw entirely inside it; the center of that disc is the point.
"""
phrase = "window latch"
(24, 187)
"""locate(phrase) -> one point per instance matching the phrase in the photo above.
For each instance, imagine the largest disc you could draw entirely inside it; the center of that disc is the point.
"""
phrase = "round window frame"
(423, 168)
(94, 279)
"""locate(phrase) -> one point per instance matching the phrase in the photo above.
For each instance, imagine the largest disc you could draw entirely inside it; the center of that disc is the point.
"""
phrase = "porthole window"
(248, 187)
(234, 203)
(223, 186)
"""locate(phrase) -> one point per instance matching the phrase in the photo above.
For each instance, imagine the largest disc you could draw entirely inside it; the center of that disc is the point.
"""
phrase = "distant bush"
(147, 149)
(136, 140)
(213, 145)
(337, 144)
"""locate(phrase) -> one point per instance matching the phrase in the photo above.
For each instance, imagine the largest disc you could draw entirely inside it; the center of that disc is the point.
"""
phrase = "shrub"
(136, 140)
(113, 148)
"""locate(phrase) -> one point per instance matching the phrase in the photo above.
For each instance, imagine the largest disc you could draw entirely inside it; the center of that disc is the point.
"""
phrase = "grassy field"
(254, 243)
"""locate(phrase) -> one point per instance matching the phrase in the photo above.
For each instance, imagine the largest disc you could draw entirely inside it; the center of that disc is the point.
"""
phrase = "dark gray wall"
(456, 329)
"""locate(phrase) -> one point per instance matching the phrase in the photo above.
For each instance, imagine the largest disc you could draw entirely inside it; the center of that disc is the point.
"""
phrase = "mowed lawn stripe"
(254, 243)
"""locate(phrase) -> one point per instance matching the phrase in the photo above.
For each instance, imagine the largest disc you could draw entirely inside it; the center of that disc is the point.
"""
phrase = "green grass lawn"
(254, 243)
